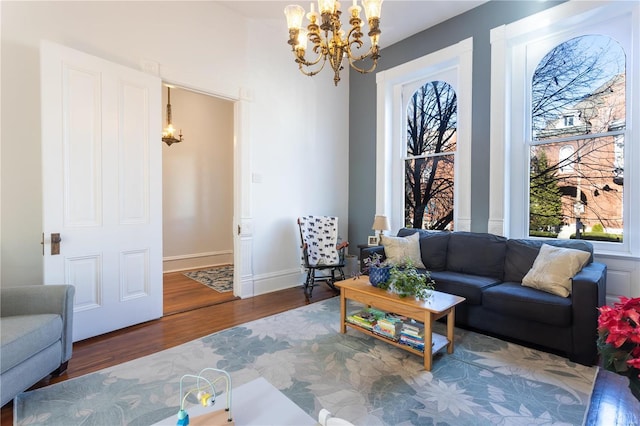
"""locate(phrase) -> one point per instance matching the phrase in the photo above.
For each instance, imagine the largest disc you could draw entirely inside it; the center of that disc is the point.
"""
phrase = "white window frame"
(566, 152)
(510, 116)
(391, 122)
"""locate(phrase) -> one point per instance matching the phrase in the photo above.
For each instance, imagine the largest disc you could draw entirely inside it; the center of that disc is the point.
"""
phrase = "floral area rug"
(356, 377)
(220, 279)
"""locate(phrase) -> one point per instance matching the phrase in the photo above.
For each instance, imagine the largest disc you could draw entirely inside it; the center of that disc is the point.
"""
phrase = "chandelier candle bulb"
(302, 42)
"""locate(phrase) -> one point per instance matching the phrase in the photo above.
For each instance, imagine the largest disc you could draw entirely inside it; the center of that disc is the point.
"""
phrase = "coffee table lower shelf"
(438, 341)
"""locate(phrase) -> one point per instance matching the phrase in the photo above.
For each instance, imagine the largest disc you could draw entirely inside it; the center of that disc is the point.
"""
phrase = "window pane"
(429, 192)
(576, 183)
(579, 88)
(577, 191)
(432, 120)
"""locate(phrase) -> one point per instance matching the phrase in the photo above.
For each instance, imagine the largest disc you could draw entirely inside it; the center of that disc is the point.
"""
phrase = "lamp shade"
(294, 14)
(372, 8)
(380, 223)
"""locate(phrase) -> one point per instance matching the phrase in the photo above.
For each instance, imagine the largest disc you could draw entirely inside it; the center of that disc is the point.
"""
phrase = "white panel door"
(102, 188)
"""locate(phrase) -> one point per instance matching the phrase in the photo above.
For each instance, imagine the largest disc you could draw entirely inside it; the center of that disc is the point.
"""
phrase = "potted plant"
(405, 280)
(378, 270)
(619, 340)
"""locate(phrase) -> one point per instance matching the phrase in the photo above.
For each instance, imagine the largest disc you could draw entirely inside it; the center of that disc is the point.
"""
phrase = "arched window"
(580, 81)
(416, 142)
(431, 137)
(565, 159)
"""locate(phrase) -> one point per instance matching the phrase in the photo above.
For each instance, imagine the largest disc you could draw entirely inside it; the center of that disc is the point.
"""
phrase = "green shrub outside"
(599, 236)
(544, 234)
(593, 236)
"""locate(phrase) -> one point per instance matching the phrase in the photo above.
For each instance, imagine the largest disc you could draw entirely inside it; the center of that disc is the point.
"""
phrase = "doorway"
(198, 196)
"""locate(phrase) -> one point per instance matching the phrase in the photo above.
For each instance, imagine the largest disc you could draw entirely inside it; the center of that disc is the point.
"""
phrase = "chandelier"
(168, 132)
(329, 41)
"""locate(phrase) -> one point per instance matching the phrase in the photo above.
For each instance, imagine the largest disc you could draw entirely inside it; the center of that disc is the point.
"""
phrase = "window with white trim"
(517, 139)
(409, 164)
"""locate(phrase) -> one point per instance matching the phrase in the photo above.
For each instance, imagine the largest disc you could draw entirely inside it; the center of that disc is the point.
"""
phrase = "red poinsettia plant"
(619, 339)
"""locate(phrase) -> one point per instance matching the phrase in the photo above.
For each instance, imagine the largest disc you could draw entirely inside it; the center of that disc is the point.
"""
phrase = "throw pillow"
(398, 250)
(554, 268)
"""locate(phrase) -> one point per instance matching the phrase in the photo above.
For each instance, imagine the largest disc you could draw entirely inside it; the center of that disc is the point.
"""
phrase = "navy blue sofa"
(488, 269)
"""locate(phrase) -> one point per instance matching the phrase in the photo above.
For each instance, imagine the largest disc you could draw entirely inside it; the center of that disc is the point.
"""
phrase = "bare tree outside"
(578, 127)
(429, 161)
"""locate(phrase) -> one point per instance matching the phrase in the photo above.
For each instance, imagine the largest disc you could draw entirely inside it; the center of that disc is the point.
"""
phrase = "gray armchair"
(36, 335)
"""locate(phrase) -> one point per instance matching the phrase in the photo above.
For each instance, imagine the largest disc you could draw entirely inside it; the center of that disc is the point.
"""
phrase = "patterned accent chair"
(321, 252)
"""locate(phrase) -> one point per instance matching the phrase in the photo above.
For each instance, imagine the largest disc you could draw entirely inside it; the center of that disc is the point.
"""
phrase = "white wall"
(300, 161)
(197, 182)
(297, 126)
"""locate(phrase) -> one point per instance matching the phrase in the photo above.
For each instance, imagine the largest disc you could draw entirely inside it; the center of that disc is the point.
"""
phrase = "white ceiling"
(400, 18)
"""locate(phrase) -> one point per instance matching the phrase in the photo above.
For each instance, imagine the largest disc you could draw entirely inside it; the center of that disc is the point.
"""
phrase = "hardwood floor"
(222, 311)
(183, 294)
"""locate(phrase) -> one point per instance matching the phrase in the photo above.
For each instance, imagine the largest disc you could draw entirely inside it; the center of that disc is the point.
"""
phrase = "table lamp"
(380, 224)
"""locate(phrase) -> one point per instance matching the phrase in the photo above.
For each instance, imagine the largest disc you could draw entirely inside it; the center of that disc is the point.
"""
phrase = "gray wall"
(476, 23)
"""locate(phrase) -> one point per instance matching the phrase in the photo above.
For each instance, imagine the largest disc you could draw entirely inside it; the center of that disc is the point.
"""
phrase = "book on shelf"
(413, 342)
(412, 334)
(391, 326)
(413, 328)
(366, 318)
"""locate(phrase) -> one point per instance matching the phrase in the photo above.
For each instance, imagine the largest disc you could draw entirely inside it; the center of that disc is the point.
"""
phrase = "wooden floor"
(184, 320)
(182, 294)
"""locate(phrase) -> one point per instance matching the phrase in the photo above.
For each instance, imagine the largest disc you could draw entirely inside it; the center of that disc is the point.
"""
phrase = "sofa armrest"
(42, 299)
(589, 288)
(368, 252)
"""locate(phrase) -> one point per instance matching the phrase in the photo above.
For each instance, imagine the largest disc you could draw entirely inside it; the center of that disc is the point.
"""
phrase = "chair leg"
(308, 285)
(60, 370)
(332, 280)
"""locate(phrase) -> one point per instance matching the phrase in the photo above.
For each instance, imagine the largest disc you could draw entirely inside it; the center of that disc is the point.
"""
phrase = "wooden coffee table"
(426, 311)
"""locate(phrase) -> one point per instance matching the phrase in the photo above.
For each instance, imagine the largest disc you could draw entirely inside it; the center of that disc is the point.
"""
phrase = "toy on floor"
(205, 392)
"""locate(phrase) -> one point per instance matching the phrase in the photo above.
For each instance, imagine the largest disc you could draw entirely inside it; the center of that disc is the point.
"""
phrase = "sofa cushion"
(521, 253)
(398, 250)
(527, 303)
(476, 254)
(554, 268)
(23, 336)
(468, 286)
(433, 247)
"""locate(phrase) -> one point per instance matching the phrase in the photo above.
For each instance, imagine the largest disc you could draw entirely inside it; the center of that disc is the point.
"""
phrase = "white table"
(255, 403)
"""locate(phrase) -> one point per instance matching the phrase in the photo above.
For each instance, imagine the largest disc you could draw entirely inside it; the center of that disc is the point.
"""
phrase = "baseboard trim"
(197, 261)
(275, 281)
